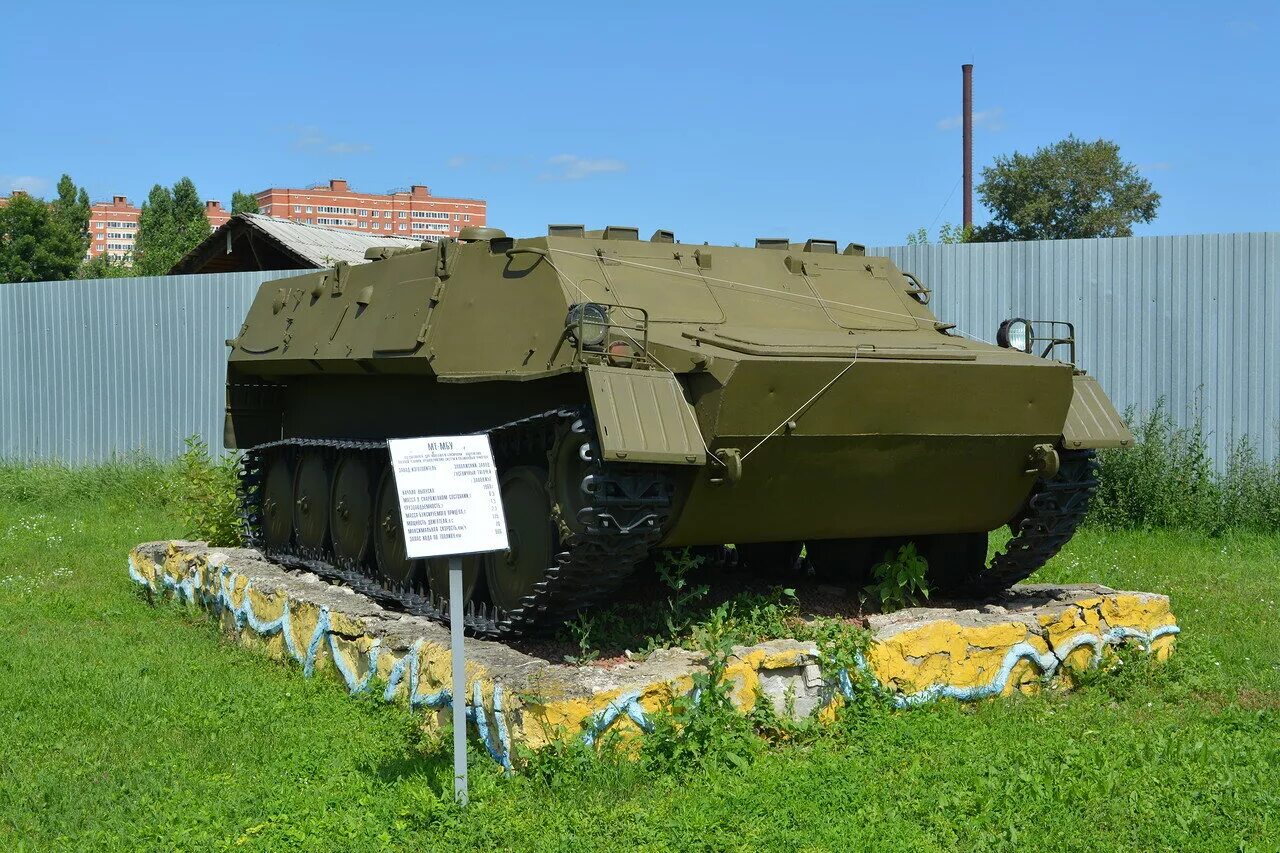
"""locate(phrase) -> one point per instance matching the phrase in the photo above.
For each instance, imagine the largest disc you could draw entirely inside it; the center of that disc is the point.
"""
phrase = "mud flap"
(1092, 422)
(642, 416)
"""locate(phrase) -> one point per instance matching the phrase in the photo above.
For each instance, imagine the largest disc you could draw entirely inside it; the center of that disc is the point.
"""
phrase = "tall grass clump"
(128, 480)
(1167, 480)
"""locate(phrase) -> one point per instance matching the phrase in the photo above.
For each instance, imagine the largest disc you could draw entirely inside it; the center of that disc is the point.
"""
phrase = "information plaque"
(449, 498)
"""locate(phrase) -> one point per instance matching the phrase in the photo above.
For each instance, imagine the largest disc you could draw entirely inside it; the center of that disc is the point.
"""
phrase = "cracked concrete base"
(1037, 633)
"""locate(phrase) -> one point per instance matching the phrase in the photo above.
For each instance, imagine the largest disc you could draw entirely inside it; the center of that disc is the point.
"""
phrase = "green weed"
(204, 492)
(1167, 480)
(898, 580)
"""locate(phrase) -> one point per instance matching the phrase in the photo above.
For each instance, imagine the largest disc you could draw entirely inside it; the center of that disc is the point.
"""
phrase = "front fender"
(1092, 422)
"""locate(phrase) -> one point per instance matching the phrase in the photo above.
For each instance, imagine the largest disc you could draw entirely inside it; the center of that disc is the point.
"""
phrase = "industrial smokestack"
(967, 112)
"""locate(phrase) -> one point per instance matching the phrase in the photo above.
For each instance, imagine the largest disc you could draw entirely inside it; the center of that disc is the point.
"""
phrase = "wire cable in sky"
(945, 203)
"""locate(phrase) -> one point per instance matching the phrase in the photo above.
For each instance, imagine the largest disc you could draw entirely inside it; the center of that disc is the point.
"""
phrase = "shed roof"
(296, 245)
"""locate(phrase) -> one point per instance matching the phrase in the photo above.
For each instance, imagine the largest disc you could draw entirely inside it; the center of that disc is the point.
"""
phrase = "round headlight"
(588, 320)
(1015, 334)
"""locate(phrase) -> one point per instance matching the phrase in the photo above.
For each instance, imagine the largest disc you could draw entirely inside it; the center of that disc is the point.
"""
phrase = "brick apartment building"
(113, 225)
(414, 213)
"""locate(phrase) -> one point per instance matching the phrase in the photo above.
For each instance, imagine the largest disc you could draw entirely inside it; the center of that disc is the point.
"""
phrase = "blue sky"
(722, 122)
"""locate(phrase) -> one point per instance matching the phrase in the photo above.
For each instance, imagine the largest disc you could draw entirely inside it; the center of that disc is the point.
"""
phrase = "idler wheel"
(769, 559)
(438, 575)
(277, 504)
(351, 508)
(512, 574)
(388, 539)
(571, 463)
(311, 489)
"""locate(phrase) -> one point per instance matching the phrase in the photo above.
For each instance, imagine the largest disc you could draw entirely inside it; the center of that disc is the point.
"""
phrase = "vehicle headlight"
(1015, 334)
(590, 320)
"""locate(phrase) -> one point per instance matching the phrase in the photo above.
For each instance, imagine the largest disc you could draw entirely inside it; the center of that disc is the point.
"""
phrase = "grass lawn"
(127, 726)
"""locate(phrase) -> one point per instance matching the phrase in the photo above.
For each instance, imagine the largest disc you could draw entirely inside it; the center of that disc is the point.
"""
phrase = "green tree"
(244, 202)
(172, 223)
(1065, 190)
(105, 265)
(70, 211)
(33, 245)
(947, 235)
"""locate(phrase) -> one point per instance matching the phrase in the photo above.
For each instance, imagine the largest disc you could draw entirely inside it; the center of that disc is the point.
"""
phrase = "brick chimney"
(120, 200)
(336, 185)
(213, 206)
(419, 191)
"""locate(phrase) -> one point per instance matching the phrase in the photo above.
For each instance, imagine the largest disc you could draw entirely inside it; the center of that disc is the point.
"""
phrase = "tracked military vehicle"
(642, 394)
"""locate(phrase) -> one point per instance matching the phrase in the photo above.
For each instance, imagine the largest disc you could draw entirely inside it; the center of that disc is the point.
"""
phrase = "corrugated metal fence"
(1192, 320)
(92, 369)
(100, 368)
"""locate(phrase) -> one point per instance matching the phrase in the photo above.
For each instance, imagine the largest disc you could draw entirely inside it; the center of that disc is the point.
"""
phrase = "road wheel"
(351, 508)
(388, 538)
(311, 490)
(511, 575)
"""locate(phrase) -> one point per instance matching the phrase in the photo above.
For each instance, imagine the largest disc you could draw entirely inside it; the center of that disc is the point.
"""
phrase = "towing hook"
(730, 459)
(1043, 461)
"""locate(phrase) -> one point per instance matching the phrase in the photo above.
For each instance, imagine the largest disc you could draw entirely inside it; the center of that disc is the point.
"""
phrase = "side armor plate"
(1092, 421)
(642, 416)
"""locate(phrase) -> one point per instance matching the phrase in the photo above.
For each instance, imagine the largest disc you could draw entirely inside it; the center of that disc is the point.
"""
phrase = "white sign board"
(449, 498)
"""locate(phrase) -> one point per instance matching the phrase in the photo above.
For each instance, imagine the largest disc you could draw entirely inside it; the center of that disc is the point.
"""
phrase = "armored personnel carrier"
(641, 394)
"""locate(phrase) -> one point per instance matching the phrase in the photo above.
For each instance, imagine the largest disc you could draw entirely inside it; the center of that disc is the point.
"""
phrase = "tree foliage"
(243, 202)
(171, 224)
(70, 211)
(34, 244)
(42, 241)
(105, 265)
(1066, 190)
(947, 235)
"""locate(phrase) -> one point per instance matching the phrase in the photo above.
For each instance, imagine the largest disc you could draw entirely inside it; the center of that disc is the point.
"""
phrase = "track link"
(627, 510)
(1054, 510)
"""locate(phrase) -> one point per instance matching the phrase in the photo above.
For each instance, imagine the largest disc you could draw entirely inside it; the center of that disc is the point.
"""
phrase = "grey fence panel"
(91, 370)
(1188, 320)
(94, 369)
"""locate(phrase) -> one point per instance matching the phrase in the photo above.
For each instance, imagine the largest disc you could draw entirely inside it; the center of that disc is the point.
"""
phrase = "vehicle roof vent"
(566, 231)
(663, 236)
(855, 249)
(473, 233)
(783, 243)
(621, 232)
(821, 247)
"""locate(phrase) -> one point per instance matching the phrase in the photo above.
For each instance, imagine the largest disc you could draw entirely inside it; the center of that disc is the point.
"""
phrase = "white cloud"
(457, 161)
(571, 167)
(30, 184)
(992, 120)
(311, 139)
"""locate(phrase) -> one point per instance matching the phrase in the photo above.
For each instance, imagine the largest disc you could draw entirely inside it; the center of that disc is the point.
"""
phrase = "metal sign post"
(459, 682)
(450, 505)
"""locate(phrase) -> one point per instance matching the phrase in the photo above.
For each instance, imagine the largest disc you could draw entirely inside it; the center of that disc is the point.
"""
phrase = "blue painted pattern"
(195, 589)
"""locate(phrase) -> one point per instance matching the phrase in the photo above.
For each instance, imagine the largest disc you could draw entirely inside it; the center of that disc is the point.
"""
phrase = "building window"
(467, 218)
(297, 209)
(364, 213)
(402, 228)
(377, 213)
(403, 215)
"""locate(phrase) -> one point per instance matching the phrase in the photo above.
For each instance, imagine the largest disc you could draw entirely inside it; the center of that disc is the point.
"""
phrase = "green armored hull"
(643, 394)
